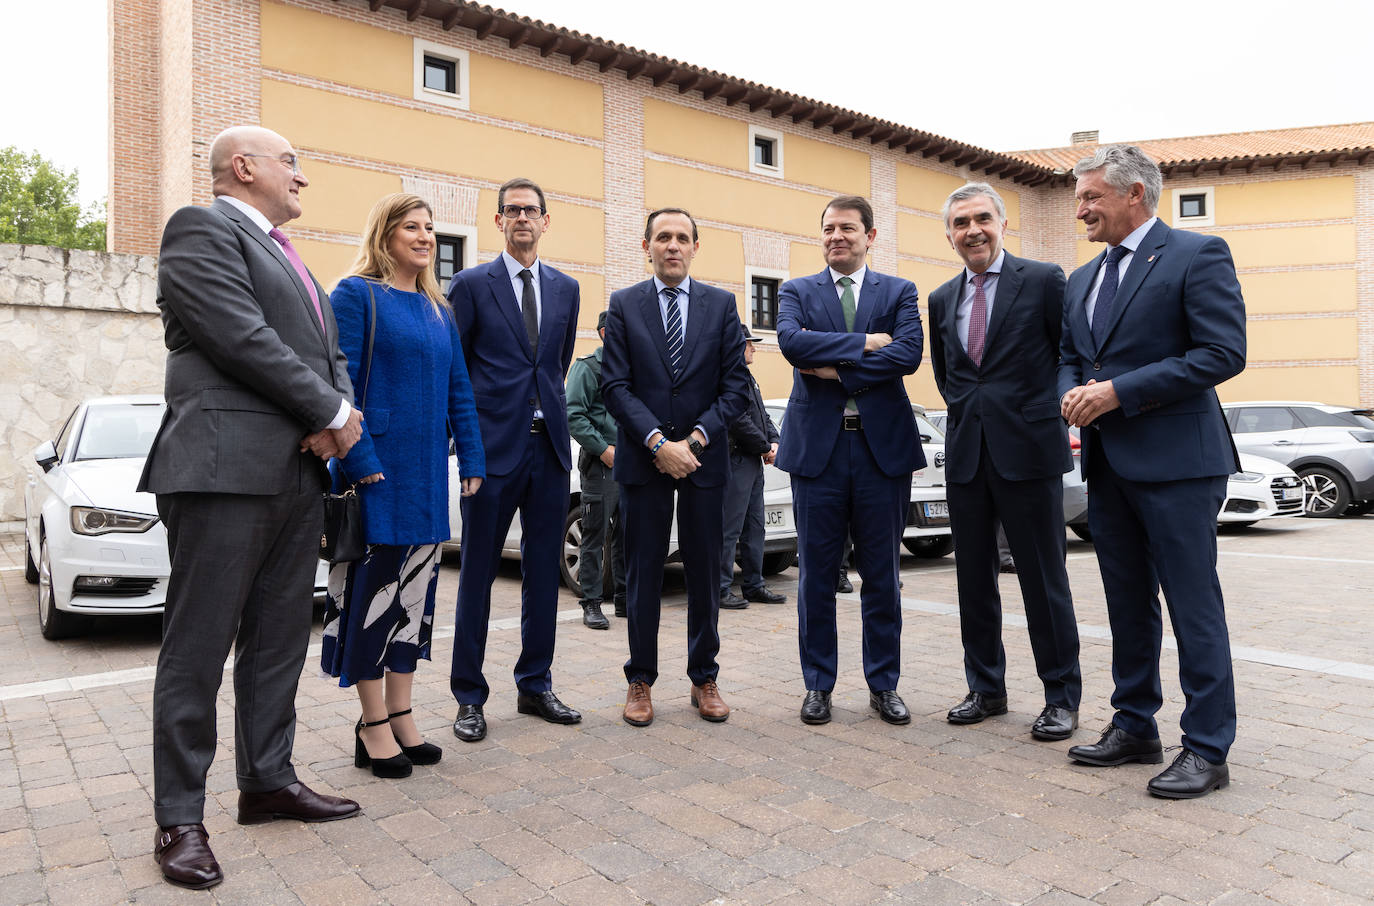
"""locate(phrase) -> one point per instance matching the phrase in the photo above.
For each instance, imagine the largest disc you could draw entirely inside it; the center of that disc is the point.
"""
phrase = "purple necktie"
(290, 251)
(978, 321)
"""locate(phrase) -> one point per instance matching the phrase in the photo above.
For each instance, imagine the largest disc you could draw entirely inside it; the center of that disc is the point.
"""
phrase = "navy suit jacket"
(1177, 329)
(503, 368)
(1009, 402)
(811, 334)
(642, 395)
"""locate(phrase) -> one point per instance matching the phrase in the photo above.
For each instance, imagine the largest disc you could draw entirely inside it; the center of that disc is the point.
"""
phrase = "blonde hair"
(374, 260)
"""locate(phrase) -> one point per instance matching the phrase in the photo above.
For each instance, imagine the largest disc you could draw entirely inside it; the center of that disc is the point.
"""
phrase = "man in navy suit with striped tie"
(674, 379)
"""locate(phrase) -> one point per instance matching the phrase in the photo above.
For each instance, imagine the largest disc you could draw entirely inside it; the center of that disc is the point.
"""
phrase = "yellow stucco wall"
(1292, 245)
(844, 171)
(730, 199)
(1302, 338)
(328, 261)
(1277, 201)
(514, 92)
(682, 132)
(1296, 291)
(339, 197)
(1337, 384)
(337, 50)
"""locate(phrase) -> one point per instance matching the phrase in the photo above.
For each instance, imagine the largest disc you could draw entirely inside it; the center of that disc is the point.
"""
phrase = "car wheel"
(1082, 531)
(30, 568)
(53, 623)
(1327, 495)
(572, 551)
(778, 562)
(938, 546)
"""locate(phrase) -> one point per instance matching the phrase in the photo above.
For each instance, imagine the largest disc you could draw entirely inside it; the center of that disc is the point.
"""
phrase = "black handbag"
(343, 540)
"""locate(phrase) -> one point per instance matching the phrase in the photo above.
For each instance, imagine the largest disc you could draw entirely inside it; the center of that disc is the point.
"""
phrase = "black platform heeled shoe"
(395, 767)
(424, 753)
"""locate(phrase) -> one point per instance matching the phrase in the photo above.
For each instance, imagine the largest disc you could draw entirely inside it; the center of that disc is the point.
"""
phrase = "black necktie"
(1106, 294)
(530, 310)
(674, 329)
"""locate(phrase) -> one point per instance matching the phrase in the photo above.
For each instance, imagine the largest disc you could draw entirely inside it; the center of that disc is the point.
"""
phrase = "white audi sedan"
(93, 544)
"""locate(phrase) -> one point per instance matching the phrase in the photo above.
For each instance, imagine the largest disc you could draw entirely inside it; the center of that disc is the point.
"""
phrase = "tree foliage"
(39, 205)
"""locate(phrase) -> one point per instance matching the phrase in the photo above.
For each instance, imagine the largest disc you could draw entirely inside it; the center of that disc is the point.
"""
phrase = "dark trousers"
(243, 575)
(647, 512)
(600, 525)
(850, 496)
(743, 524)
(538, 488)
(1153, 534)
(1032, 514)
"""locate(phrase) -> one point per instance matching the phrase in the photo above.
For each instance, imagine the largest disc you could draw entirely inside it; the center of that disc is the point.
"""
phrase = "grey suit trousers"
(243, 570)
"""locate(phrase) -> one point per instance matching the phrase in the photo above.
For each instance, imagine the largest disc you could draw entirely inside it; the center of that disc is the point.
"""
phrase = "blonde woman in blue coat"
(380, 613)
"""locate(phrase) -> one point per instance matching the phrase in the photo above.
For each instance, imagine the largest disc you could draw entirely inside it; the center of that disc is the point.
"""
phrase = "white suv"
(1330, 447)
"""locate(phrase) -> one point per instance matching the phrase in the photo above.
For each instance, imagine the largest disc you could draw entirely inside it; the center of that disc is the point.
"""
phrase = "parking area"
(761, 809)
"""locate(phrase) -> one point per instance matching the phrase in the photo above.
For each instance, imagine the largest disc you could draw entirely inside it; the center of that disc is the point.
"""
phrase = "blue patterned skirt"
(380, 612)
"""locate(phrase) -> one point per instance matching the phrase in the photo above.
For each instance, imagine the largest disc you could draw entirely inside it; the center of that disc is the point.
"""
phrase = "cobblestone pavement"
(761, 809)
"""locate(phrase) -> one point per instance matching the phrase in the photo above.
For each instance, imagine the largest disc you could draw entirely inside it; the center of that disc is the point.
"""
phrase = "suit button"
(1097, 366)
(675, 393)
(532, 402)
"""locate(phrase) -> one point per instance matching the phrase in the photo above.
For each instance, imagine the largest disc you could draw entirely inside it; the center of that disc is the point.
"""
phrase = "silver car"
(1330, 447)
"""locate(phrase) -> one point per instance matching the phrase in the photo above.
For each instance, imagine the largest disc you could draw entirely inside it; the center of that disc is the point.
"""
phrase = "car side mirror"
(925, 438)
(46, 454)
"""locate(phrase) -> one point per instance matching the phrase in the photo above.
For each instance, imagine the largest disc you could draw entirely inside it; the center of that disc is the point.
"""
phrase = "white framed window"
(1194, 207)
(441, 74)
(761, 285)
(765, 151)
(456, 250)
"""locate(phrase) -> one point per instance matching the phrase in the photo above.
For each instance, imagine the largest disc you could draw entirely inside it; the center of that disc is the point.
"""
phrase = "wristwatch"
(695, 446)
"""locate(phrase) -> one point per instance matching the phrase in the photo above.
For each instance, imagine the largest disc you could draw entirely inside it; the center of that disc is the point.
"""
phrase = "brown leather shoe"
(183, 851)
(706, 699)
(639, 710)
(296, 801)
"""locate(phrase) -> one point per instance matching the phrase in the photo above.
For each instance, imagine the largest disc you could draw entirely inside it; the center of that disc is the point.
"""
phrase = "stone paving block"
(593, 890)
(338, 889)
(426, 890)
(940, 891)
(508, 891)
(617, 860)
(1295, 892)
(469, 867)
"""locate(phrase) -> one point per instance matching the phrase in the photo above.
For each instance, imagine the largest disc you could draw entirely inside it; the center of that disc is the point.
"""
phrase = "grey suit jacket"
(249, 371)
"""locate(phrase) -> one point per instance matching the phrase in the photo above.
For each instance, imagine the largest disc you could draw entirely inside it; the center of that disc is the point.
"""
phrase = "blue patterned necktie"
(1106, 294)
(674, 329)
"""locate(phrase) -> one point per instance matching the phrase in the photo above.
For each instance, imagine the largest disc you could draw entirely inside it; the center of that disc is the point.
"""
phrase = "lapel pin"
(1150, 259)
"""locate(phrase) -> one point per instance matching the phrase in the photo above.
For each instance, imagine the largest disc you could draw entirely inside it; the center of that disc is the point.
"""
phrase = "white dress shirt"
(965, 307)
(1130, 243)
(513, 268)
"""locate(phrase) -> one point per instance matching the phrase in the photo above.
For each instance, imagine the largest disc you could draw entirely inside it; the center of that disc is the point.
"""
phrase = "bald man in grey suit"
(258, 397)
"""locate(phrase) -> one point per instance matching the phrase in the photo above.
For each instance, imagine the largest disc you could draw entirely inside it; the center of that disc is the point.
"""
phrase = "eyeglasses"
(512, 211)
(287, 160)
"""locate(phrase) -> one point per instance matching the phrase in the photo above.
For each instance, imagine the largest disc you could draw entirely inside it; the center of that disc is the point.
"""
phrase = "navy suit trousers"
(538, 488)
(851, 496)
(1153, 534)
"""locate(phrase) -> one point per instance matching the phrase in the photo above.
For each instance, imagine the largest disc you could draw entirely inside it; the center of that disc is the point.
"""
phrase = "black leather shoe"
(1118, 747)
(764, 595)
(183, 851)
(976, 707)
(620, 607)
(844, 586)
(1190, 777)
(593, 618)
(425, 753)
(1007, 566)
(815, 707)
(470, 725)
(1055, 723)
(547, 706)
(296, 801)
(889, 706)
(732, 601)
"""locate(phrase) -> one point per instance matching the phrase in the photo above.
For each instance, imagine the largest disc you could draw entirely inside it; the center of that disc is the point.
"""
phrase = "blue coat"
(418, 394)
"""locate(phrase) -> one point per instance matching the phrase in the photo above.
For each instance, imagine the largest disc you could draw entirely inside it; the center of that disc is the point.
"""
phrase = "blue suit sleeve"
(937, 340)
(804, 346)
(627, 409)
(895, 360)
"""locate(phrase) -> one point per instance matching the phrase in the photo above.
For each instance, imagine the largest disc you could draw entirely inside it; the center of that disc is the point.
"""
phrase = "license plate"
(775, 517)
(938, 509)
(1292, 493)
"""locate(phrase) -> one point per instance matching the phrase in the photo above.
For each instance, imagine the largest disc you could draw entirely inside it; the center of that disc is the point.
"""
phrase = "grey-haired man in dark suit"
(258, 397)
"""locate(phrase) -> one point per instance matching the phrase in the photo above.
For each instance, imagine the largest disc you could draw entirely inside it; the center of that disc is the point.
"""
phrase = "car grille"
(1277, 487)
(123, 587)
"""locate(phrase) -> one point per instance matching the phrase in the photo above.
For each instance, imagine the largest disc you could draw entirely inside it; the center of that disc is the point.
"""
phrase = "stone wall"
(73, 324)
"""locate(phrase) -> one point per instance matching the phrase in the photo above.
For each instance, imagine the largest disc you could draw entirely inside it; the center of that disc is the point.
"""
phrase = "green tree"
(39, 206)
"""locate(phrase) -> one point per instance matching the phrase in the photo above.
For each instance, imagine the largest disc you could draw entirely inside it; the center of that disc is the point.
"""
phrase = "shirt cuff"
(704, 434)
(345, 407)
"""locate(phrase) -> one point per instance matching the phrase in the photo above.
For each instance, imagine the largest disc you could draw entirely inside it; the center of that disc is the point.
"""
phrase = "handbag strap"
(371, 338)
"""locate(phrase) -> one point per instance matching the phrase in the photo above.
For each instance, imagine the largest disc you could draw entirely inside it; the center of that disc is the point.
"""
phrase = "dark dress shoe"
(732, 601)
(815, 707)
(183, 851)
(619, 607)
(889, 706)
(1055, 723)
(844, 586)
(1189, 777)
(295, 801)
(423, 754)
(392, 768)
(470, 725)
(764, 595)
(593, 618)
(1118, 747)
(547, 706)
(977, 707)
(1007, 566)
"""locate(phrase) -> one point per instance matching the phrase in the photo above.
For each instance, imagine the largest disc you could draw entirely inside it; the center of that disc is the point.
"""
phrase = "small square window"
(449, 258)
(763, 303)
(765, 151)
(1192, 206)
(441, 74)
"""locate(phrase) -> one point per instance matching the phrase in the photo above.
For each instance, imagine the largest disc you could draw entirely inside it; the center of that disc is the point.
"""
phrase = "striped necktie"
(674, 329)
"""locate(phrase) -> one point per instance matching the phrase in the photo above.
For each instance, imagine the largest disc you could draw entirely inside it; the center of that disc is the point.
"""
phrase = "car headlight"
(1247, 476)
(88, 520)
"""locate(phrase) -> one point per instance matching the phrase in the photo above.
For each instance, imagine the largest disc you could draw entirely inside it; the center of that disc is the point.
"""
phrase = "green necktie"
(847, 302)
(848, 307)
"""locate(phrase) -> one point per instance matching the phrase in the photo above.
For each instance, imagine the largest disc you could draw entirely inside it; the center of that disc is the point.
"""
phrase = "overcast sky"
(1023, 75)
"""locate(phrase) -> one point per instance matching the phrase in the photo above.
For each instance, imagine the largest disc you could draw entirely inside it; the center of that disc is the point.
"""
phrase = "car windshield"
(118, 431)
(1345, 418)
